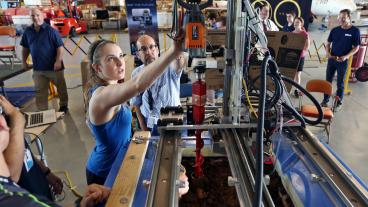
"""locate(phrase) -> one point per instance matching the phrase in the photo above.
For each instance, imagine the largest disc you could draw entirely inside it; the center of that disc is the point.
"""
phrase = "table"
(7, 72)
(34, 134)
(145, 173)
(99, 22)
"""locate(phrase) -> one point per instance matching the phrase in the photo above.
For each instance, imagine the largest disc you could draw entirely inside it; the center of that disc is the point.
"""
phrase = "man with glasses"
(164, 92)
(289, 26)
(264, 15)
(343, 42)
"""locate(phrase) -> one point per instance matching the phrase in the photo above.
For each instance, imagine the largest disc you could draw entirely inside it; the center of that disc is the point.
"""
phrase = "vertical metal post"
(229, 55)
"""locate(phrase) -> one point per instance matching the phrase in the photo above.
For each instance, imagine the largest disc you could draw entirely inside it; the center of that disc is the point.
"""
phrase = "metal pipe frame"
(241, 168)
(163, 189)
(336, 175)
(209, 126)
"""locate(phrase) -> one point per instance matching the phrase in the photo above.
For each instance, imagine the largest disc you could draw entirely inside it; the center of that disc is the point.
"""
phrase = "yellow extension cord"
(248, 99)
(69, 183)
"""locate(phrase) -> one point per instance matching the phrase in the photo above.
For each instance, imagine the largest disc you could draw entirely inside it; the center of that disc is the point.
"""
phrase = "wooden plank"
(122, 193)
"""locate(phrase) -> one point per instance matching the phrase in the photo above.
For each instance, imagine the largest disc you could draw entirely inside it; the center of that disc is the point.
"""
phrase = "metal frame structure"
(323, 168)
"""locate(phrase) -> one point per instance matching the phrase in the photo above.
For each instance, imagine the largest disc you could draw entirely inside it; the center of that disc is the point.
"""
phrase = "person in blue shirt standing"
(46, 47)
(164, 92)
(343, 42)
(289, 26)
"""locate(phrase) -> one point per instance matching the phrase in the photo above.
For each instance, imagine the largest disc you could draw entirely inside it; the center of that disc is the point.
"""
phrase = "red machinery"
(71, 25)
(199, 102)
(195, 43)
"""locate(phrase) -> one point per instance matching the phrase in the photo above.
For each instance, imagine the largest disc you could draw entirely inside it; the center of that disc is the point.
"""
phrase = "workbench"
(140, 190)
(9, 71)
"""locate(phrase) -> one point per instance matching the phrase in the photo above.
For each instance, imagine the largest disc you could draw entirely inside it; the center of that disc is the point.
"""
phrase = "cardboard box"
(286, 49)
(214, 79)
(129, 66)
(216, 37)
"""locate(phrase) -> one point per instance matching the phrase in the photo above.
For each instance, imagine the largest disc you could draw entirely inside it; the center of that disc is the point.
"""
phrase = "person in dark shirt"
(11, 162)
(46, 48)
(38, 178)
(289, 26)
(343, 42)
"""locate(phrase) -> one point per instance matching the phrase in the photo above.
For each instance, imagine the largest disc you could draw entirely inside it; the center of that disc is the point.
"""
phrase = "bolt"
(132, 157)
(231, 181)
(124, 200)
(315, 178)
(267, 179)
(164, 180)
(146, 183)
(353, 200)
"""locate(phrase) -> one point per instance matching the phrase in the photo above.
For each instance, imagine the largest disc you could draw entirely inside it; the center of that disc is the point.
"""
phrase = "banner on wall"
(302, 8)
(142, 19)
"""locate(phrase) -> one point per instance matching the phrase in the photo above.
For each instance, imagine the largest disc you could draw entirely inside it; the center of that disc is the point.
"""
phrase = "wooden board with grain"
(122, 193)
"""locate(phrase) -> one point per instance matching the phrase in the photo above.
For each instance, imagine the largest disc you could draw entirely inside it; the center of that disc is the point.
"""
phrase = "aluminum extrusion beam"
(163, 190)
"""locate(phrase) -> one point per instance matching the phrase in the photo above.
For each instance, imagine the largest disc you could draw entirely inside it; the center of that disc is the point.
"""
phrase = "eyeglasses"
(145, 48)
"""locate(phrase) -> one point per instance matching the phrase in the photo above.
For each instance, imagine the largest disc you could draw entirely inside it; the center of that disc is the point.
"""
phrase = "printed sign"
(142, 19)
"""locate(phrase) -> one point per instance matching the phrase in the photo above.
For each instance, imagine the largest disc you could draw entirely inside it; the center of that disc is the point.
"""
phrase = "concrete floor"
(68, 142)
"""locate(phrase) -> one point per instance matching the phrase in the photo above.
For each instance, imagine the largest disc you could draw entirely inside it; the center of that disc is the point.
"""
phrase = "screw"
(231, 181)
(124, 200)
(146, 183)
(267, 179)
(315, 178)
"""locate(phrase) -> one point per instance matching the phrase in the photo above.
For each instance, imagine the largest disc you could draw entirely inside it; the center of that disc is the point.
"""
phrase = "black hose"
(271, 102)
(295, 113)
(174, 23)
(257, 200)
(315, 102)
(278, 91)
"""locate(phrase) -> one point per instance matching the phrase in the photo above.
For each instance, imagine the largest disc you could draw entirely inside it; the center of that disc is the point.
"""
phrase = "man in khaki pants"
(46, 47)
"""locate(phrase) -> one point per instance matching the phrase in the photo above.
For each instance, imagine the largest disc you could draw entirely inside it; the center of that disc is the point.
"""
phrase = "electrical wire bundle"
(268, 99)
(265, 103)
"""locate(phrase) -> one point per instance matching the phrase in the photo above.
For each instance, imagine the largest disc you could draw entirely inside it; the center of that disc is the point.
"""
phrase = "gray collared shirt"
(165, 92)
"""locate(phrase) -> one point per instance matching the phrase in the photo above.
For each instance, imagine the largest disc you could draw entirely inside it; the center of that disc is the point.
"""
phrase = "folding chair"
(8, 52)
(324, 87)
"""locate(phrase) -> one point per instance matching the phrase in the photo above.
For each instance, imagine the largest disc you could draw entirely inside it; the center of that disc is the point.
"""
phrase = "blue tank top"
(110, 138)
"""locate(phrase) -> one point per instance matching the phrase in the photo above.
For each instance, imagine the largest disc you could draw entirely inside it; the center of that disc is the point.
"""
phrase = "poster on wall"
(142, 19)
(302, 8)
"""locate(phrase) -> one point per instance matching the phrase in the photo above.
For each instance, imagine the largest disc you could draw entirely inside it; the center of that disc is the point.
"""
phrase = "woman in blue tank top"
(108, 116)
